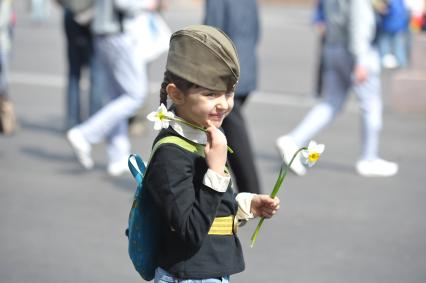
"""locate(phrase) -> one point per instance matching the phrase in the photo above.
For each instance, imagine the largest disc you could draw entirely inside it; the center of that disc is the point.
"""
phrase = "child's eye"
(218, 94)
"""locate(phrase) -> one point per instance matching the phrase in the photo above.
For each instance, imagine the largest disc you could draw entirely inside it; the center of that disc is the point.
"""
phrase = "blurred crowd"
(397, 20)
(104, 40)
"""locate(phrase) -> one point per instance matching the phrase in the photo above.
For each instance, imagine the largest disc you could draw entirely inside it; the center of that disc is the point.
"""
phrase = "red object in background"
(13, 18)
(417, 23)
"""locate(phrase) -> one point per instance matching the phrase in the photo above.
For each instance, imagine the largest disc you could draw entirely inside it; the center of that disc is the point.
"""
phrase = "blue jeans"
(4, 71)
(162, 276)
(338, 82)
(396, 44)
(121, 56)
(80, 55)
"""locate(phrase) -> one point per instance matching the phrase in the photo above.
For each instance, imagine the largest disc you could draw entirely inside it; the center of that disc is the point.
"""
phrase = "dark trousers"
(80, 55)
(241, 161)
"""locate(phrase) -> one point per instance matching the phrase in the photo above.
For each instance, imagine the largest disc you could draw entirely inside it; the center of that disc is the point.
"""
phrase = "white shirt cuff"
(244, 207)
(216, 181)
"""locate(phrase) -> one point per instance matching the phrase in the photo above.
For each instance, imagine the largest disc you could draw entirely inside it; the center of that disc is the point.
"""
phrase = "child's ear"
(175, 94)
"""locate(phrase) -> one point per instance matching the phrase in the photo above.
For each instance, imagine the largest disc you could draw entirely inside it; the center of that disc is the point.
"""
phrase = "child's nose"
(222, 102)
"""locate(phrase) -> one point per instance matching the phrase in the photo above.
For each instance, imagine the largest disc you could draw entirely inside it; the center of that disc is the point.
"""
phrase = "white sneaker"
(81, 148)
(376, 168)
(287, 147)
(118, 168)
(389, 61)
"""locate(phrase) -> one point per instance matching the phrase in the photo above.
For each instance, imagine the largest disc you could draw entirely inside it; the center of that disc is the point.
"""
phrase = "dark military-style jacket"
(186, 209)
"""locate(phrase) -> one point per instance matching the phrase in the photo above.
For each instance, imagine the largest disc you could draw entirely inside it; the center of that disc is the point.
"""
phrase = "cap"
(205, 56)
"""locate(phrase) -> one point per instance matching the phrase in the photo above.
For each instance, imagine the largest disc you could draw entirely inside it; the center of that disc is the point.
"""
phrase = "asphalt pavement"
(59, 223)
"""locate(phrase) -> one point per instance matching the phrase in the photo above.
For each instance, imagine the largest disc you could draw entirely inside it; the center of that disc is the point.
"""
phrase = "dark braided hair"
(170, 78)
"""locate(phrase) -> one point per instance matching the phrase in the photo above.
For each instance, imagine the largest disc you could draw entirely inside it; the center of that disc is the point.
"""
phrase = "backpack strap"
(140, 168)
(189, 146)
(138, 171)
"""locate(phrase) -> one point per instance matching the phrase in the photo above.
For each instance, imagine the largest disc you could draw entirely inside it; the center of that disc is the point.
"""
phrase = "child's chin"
(217, 124)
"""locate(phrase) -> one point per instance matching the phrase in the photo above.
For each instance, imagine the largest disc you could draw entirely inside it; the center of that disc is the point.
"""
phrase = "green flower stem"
(196, 127)
(278, 183)
(189, 124)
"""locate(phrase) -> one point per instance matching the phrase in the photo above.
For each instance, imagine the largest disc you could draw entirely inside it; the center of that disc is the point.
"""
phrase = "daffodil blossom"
(161, 117)
(312, 153)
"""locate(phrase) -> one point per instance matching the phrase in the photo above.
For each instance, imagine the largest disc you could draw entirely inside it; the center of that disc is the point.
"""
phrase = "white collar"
(189, 132)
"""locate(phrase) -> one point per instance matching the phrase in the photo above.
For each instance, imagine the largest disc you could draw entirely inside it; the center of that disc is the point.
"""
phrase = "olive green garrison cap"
(205, 56)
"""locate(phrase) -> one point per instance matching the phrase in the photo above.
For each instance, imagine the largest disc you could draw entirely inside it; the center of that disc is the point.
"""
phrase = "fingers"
(209, 133)
(268, 201)
(215, 150)
(214, 135)
(269, 206)
(210, 126)
(269, 212)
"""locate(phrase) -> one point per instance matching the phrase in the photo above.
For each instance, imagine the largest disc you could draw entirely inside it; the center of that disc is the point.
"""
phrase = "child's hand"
(264, 205)
(216, 149)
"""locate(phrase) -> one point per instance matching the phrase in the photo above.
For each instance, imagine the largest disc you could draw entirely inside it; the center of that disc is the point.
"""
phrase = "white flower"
(312, 154)
(161, 117)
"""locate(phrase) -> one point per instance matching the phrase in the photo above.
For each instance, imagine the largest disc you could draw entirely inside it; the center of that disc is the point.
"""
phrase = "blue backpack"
(143, 231)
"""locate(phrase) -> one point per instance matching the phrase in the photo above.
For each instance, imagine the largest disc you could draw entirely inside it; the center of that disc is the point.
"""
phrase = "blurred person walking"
(351, 61)
(318, 21)
(80, 56)
(416, 10)
(393, 29)
(118, 43)
(239, 19)
(7, 23)
(156, 36)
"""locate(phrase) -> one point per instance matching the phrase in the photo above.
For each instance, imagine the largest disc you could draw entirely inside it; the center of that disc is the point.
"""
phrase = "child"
(193, 193)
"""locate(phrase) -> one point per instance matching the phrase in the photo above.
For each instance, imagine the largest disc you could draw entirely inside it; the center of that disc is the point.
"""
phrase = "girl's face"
(200, 104)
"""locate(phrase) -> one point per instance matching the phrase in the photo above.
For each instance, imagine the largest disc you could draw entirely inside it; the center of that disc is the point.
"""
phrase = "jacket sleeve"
(362, 28)
(188, 211)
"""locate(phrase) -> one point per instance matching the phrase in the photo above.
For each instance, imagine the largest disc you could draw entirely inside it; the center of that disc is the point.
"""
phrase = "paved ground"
(61, 224)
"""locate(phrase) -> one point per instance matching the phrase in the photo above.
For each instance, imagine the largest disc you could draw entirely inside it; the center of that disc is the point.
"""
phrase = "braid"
(180, 83)
(163, 91)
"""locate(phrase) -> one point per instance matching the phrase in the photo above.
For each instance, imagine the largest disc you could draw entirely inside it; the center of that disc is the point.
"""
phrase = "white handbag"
(155, 36)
